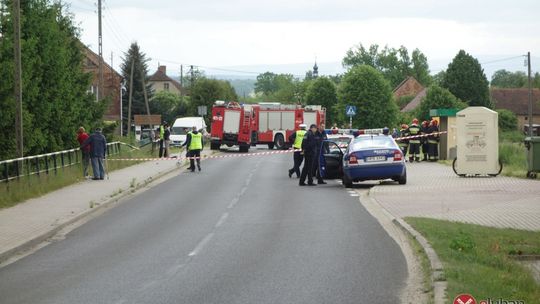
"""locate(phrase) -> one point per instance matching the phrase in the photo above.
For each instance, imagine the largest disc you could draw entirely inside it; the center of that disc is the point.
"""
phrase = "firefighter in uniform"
(414, 143)
(296, 138)
(309, 147)
(433, 141)
(404, 143)
(424, 129)
(194, 144)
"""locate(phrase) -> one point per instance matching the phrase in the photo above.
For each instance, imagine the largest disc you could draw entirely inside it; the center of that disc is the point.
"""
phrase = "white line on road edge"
(201, 245)
(233, 202)
(222, 219)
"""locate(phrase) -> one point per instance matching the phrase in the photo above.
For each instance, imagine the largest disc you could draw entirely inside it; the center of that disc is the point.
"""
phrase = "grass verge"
(477, 259)
(28, 187)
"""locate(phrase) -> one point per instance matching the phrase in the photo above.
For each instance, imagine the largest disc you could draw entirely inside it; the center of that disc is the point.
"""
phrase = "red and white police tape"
(208, 157)
(420, 136)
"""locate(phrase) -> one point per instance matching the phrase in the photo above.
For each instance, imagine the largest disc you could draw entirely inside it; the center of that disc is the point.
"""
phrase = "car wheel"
(347, 182)
(402, 179)
(279, 142)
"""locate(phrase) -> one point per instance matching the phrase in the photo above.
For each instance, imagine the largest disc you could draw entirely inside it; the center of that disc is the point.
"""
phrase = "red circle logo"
(464, 299)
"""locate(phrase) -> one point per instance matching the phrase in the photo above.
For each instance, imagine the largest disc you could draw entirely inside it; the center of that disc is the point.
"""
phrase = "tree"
(135, 56)
(55, 88)
(266, 83)
(438, 98)
(322, 91)
(395, 64)
(206, 91)
(465, 79)
(506, 79)
(365, 87)
(168, 104)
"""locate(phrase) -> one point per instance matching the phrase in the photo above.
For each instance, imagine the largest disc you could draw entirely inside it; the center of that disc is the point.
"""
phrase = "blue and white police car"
(367, 157)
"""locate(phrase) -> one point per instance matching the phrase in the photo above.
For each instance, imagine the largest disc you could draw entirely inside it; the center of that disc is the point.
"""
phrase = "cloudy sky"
(252, 35)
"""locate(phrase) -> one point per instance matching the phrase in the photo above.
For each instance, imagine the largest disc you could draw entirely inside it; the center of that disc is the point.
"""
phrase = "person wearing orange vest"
(296, 138)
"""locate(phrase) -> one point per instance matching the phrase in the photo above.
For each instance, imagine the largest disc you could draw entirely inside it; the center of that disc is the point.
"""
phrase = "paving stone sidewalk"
(30, 221)
(434, 191)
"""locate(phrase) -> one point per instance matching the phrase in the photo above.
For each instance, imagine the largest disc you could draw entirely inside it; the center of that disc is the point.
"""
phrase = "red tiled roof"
(516, 100)
(413, 104)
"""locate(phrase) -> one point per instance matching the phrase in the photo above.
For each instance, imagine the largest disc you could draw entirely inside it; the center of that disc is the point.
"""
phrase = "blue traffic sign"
(350, 111)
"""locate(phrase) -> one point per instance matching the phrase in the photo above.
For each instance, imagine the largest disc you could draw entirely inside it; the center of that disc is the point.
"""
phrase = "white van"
(182, 126)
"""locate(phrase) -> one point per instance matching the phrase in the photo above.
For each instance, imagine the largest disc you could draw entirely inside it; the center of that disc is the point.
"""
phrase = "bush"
(507, 120)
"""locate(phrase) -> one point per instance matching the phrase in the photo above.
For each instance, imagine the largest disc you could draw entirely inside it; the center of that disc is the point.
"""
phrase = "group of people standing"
(162, 136)
(308, 143)
(425, 136)
(94, 150)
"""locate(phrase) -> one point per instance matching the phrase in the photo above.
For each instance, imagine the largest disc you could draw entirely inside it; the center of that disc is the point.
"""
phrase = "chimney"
(163, 68)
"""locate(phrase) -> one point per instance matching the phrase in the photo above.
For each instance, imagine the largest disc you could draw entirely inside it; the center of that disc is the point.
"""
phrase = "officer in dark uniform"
(309, 147)
(425, 129)
(320, 136)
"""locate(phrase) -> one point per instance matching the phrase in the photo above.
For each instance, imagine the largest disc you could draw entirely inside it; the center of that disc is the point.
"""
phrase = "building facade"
(161, 82)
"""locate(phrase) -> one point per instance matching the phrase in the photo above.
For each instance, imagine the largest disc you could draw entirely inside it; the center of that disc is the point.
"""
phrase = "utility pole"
(530, 94)
(18, 77)
(130, 97)
(182, 83)
(144, 91)
(100, 48)
(191, 83)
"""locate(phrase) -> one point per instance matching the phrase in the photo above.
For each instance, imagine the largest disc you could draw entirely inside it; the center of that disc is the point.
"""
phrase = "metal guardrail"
(46, 163)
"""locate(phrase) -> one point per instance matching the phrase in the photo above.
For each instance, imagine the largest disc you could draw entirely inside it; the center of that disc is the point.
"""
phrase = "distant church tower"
(315, 70)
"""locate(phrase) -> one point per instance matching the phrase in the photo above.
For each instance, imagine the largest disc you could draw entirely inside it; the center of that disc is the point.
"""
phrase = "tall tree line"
(56, 98)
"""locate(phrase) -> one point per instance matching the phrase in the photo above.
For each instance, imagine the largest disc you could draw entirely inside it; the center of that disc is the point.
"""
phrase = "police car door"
(331, 160)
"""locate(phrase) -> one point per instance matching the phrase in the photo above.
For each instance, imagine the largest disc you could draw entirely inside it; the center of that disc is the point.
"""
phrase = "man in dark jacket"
(309, 147)
(320, 136)
(98, 150)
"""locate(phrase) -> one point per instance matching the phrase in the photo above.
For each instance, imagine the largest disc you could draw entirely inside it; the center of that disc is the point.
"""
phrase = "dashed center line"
(222, 219)
(201, 245)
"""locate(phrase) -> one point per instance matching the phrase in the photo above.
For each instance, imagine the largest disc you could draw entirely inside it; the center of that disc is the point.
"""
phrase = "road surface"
(240, 231)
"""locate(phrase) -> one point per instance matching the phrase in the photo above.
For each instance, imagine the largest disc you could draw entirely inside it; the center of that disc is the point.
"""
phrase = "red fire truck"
(264, 123)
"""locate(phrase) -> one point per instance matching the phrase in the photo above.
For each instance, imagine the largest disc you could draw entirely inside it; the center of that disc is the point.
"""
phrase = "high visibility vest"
(298, 140)
(413, 131)
(403, 143)
(196, 141)
(161, 132)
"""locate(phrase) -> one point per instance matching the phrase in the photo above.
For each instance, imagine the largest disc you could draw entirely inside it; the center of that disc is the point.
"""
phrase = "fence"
(46, 163)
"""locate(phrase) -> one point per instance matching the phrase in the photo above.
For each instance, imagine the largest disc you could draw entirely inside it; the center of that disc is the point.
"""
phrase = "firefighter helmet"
(435, 122)
(415, 121)
(404, 126)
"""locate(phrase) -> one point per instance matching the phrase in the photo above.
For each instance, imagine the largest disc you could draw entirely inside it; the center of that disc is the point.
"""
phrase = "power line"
(501, 60)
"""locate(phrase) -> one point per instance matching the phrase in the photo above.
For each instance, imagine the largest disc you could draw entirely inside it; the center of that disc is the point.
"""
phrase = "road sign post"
(350, 111)
(202, 110)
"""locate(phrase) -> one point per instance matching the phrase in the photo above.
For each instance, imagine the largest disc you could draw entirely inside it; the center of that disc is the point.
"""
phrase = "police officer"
(433, 141)
(414, 143)
(296, 138)
(162, 139)
(309, 146)
(194, 144)
(425, 129)
(404, 143)
(320, 136)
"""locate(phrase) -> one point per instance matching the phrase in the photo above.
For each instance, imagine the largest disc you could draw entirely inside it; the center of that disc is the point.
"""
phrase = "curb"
(28, 245)
(438, 280)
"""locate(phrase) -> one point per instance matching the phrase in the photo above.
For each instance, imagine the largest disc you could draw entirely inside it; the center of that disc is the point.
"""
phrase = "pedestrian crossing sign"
(350, 111)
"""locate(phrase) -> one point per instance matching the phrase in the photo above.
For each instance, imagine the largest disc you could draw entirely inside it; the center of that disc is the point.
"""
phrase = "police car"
(367, 157)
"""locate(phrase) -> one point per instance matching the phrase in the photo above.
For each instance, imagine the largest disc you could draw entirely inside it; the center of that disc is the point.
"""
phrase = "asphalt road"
(240, 231)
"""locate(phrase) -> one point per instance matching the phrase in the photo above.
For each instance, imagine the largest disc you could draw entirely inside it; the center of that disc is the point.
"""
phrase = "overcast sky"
(251, 34)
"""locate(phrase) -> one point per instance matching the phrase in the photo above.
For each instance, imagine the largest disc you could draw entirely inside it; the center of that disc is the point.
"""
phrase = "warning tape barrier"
(420, 136)
(206, 156)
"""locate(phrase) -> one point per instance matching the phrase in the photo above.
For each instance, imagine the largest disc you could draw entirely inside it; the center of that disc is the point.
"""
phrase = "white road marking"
(222, 219)
(233, 202)
(354, 195)
(244, 189)
(201, 245)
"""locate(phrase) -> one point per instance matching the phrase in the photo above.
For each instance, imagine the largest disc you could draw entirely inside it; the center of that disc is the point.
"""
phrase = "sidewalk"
(434, 191)
(32, 222)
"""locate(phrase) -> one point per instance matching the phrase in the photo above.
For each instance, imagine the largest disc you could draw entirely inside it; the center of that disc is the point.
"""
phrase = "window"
(166, 86)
